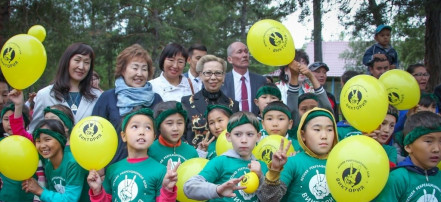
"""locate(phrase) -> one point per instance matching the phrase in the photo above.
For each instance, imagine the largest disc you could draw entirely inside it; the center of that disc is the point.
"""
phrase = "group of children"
(155, 151)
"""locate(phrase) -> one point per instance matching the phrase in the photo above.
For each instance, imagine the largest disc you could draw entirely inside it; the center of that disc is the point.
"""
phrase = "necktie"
(244, 95)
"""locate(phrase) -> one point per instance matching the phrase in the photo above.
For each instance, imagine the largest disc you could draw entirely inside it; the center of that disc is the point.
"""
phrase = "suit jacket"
(256, 81)
(196, 105)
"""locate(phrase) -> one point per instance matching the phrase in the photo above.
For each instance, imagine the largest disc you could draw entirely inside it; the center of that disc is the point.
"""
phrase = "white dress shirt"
(168, 91)
(196, 81)
(238, 88)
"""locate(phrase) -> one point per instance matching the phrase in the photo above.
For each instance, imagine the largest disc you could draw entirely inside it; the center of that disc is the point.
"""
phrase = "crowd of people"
(162, 122)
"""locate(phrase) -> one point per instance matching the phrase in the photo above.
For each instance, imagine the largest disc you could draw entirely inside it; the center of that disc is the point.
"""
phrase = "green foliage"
(111, 25)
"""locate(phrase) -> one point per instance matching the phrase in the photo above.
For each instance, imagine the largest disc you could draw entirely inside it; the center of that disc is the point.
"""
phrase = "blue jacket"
(391, 54)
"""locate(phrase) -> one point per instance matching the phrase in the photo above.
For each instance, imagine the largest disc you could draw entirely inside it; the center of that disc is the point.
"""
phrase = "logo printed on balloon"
(267, 153)
(356, 98)
(394, 96)
(354, 175)
(10, 55)
(276, 39)
(90, 130)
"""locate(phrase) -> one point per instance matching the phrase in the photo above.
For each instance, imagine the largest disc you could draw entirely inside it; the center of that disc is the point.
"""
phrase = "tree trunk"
(243, 21)
(376, 12)
(432, 57)
(4, 18)
(317, 33)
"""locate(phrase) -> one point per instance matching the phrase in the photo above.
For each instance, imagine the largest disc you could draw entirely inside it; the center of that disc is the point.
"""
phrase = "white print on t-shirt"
(318, 186)
(127, 189)
(58, 184)
(428, 197)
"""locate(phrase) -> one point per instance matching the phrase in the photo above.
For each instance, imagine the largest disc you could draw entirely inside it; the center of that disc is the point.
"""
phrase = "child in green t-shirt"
(218, 180)
(171, 121)
(266, 94)
(417, 178)
(302, 177)
(217, 120)
(138, 177)
(65, 178)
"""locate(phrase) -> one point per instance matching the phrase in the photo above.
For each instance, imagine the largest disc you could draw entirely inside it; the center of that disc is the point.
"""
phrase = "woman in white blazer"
(72, 85)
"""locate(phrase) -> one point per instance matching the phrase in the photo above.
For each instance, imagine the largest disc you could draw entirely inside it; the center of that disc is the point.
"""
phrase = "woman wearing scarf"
(134, 67)
(211, 69)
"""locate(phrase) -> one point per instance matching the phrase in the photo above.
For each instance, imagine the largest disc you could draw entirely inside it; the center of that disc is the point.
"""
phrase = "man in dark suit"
(240, 84)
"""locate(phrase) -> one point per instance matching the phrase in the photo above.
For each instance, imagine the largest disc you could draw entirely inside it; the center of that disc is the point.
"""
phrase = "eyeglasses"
(209, 74)
(421, 75)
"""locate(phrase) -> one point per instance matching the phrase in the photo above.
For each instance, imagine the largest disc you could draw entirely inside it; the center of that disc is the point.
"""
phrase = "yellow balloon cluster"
(402, 89)
(23, 58)
(18, 158)
(268, 146)
(93, 142)
(185, 171)
(222, 144)
(271, 43)
(363, 101)
(357, 169)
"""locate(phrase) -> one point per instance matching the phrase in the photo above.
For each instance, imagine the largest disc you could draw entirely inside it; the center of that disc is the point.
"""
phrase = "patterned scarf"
(130, 97)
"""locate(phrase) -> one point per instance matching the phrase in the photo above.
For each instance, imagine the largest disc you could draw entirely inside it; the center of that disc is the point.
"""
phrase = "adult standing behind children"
(212, 72)
(171, 84)
(240, 84)
(134, 68)
(195, 52)
(72, 85)
(378, 66)
(383, 46)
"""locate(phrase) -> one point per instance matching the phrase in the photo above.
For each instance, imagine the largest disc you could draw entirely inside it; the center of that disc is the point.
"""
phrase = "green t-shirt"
(262, 130)
(223, 168)
(305, 179)
(292, 135)
(211, 150)
(347, 131)
(140, 181)
(405, 185)
(12, 191)
(69, 173)
(391, 152)
(163, 153)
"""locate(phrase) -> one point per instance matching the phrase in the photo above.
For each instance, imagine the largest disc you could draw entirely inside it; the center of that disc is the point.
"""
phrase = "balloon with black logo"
(357, 169)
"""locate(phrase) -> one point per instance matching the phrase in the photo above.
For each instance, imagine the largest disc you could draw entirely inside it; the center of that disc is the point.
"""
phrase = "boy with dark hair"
(266, 94)
(417, 178)
(195, 52)
(382, 48)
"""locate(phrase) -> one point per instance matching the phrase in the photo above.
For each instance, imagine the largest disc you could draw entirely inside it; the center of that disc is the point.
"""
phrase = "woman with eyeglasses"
(420, 73)
(172, 85)
(211, 70)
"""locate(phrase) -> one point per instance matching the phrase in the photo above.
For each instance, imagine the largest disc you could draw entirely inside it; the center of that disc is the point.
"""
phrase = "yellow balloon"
(93, 142)
(357, 169)
(22, 60)
(268, 146)
(185, 171)
(251, 181)
(439, 165)
(363, 101)
(38, 32)
(271, 43)
(402, 88)
(18, 158)
(222, 144)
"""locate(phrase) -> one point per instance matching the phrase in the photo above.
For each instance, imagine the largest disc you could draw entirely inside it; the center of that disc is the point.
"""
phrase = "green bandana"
(143, 111)
(268, 90)
(12, 108)
(276, 108)
(243, 120)
(223, 107)
(163, 115)
(315, 114)
(64, 118)
(418, 132)
(307, 96)
(59, 137)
